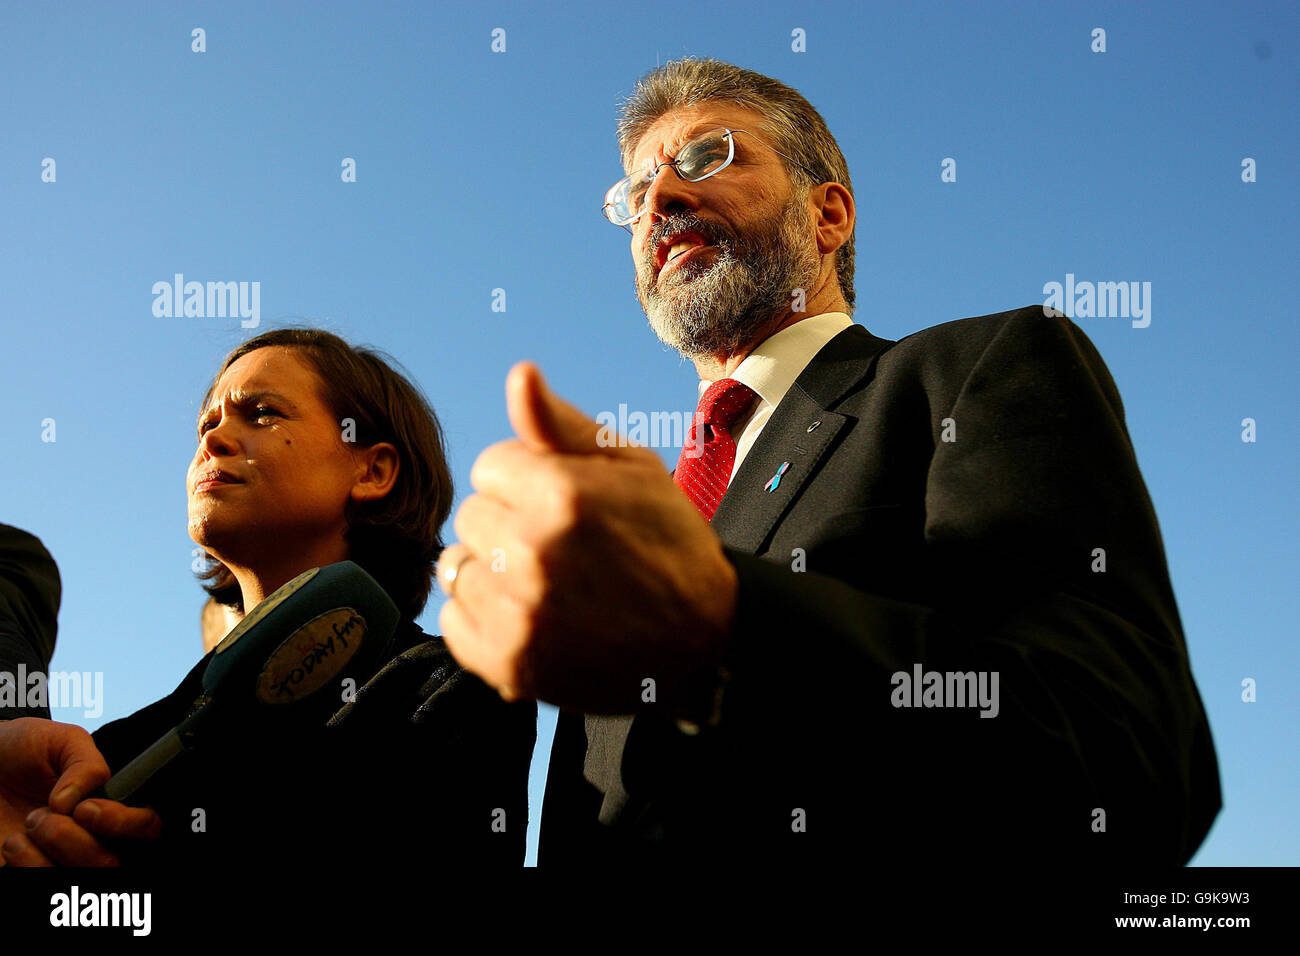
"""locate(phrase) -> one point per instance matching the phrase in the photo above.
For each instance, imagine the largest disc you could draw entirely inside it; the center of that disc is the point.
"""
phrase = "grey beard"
(728, 302)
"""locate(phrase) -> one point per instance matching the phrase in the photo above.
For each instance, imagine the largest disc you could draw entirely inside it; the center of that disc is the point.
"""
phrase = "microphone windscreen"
(303, 639)
(283, 665)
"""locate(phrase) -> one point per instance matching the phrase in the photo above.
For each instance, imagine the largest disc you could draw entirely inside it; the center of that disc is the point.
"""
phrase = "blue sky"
(479, 171)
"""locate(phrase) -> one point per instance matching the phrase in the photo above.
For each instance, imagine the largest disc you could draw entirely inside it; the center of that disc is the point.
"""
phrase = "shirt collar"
(776, 362)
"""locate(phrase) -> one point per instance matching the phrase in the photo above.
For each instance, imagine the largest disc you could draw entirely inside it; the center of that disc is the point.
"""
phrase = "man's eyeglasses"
(706, 155)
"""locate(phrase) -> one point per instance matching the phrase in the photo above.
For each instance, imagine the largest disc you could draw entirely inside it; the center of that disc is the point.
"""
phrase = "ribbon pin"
(775, 481)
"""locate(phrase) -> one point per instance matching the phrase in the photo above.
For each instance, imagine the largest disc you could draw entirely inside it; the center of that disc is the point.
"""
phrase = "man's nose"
(668, 194)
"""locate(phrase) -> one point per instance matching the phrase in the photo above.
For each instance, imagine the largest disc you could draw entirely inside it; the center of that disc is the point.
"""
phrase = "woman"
(311, 452)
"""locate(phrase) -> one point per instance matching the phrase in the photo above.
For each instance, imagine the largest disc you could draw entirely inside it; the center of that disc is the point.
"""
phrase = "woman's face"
(272, 473)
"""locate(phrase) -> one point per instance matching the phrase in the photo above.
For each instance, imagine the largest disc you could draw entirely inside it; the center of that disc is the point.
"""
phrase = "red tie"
(704, 467)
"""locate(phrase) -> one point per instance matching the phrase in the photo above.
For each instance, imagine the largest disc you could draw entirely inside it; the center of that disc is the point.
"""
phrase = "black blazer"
(426, 763)
(886, 546)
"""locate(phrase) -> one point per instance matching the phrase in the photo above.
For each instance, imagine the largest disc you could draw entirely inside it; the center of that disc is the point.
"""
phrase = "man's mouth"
(682, 256)
(673, 248)
(677, 248)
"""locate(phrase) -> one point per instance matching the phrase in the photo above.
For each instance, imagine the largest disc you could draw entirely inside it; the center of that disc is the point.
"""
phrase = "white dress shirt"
(771, 369)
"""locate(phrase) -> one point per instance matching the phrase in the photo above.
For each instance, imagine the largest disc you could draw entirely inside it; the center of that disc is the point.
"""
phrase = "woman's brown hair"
(398, 538)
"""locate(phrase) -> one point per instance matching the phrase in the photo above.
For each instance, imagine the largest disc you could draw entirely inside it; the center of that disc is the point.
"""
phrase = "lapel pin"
(775, 481)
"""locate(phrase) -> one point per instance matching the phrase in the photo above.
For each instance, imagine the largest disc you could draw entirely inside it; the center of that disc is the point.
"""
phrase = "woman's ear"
(377, 468)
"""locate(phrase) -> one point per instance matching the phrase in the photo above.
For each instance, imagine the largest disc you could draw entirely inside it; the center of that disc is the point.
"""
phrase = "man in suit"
(926, 616)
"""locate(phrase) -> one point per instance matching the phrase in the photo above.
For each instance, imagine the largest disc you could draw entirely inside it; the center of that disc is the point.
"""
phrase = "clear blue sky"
(479, 170)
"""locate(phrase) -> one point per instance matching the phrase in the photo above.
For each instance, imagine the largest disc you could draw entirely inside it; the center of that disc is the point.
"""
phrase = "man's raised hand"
(581, 571)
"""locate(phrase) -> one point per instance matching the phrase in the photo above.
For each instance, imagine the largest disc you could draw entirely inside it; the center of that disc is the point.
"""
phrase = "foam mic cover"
(283, 664)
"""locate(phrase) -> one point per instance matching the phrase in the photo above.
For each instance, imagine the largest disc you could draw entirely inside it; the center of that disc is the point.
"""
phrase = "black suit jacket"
(886, 546)
(426, 765)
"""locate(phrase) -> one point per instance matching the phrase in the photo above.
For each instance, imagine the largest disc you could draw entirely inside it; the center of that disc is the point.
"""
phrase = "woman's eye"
(258, 413)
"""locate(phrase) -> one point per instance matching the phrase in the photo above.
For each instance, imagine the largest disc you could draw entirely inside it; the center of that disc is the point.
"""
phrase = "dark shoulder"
(22, 553)
(423, 684)
(1030, 321)
(939, 351)
(950, 350)
(30, 590)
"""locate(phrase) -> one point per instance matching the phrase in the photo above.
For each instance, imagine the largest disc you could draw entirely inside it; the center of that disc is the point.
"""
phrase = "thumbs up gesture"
(581, 571)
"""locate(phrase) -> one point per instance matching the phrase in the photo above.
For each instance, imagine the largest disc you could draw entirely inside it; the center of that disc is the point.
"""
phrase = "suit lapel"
(799, 433)
(747, 512)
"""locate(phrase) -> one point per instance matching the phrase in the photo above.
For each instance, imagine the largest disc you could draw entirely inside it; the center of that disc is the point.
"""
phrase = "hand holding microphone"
(281, 667)
(283, 664)
(46, 768)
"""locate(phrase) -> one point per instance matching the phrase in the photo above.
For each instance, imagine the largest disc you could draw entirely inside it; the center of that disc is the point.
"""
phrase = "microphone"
(284, 662)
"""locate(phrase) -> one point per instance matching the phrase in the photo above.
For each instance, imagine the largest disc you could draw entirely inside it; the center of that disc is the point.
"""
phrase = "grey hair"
(789, 121)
